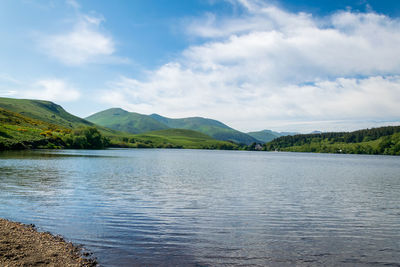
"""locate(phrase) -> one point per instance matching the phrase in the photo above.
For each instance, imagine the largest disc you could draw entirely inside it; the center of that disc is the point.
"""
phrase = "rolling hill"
(211, 127)
(121, 120)
(52, 113)
(43, 110)
(26, 123)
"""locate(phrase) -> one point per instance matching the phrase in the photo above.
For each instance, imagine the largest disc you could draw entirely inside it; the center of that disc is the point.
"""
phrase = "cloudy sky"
(294, 65)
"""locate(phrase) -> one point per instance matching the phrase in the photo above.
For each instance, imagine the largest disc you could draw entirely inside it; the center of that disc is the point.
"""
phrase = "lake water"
(210, 208)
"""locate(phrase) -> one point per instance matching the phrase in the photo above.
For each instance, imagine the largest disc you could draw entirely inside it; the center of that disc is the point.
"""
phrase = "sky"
(290, 65)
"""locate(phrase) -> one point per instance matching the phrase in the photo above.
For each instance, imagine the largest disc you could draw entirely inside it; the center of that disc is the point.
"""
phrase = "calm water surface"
(210, 208)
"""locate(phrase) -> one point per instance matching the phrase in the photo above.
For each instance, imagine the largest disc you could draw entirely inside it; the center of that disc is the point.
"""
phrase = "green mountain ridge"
(50, 112)
(213, 128)
(43, 110)
(26, 123)
(131, 122)
(122, 120)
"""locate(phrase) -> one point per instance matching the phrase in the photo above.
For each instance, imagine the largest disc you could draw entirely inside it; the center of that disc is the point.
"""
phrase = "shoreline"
(23, 245)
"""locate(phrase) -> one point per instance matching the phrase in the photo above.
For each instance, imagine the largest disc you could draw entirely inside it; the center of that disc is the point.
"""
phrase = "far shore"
(23, 245)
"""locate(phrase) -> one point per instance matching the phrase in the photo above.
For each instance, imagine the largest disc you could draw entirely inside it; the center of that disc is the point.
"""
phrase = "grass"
(179, 138)
(44, 111)
(18, 131)
(210, 127)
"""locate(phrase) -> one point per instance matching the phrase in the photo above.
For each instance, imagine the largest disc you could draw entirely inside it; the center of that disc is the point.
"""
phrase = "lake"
(150, 207)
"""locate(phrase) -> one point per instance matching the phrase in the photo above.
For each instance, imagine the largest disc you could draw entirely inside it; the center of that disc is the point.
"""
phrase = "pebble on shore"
(22, 245)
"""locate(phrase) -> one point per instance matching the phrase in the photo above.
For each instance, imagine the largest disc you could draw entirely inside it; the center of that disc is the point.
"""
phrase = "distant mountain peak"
(119, 119)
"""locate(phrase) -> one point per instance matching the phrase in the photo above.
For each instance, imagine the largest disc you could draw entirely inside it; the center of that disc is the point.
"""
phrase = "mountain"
(122, 120)
(211, 127)
(26, 123)
(265, 135)
(50, 112)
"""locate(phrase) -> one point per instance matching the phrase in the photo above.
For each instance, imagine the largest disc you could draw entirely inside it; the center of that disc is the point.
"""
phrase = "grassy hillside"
(52, 113)
(18, 131)
(21, 132)
(383, 140)
(265, 135)
(121, 120)
(43, 110)
(210, 127)
(43, 124)
(181, 138)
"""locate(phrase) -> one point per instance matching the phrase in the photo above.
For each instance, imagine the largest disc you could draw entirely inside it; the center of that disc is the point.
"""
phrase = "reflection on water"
(210, 208)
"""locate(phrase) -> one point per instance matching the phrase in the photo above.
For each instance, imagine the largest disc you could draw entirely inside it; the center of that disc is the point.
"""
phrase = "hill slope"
(43, 110)
(182, 138)
(18, 131)
(122, 120)
(43, 124)
(52, 113)
(265, 135)
(213, 128)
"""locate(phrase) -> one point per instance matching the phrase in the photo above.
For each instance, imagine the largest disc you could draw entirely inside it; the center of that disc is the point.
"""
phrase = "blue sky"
(283, 65)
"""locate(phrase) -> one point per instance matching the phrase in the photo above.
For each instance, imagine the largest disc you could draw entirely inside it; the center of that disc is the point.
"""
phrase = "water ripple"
(210, 208)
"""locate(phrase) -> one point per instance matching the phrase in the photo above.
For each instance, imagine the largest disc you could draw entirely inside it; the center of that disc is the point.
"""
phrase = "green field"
(178, 138)
(213, 128)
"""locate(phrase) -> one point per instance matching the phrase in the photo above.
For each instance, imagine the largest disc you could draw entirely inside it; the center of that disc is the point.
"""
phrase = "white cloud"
(85, 43)
(53, 90)
(7, 93)
(46, 89)
(271, 67)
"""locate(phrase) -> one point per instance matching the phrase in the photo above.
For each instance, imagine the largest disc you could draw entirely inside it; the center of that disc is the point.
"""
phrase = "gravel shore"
(23, 245)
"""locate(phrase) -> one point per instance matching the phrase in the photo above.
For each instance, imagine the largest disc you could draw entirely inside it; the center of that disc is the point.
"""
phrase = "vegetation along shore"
(26, 124)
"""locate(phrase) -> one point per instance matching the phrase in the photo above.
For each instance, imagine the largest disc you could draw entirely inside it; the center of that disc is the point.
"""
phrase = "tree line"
(382, 140)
